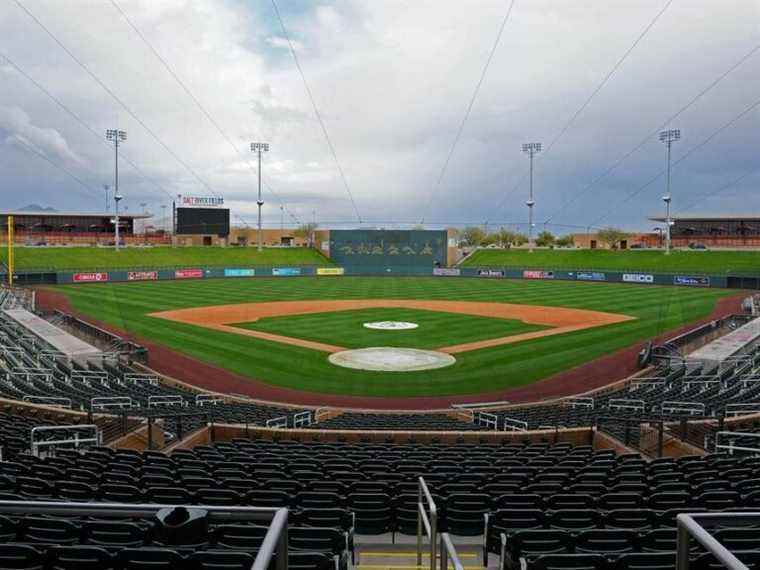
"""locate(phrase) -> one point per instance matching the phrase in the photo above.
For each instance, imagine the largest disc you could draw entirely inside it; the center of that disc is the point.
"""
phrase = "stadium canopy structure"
(71, 227)
(715, 231)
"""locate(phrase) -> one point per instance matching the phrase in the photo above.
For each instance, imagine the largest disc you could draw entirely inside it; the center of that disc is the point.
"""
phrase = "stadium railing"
(274, 544)
(693, 526)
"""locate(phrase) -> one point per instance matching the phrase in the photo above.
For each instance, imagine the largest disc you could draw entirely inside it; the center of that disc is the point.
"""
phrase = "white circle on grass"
(391, 325)
(391, 359)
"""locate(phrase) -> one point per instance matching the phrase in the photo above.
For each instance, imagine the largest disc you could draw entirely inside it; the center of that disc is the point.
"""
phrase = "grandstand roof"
(708, 218)
(47, 214)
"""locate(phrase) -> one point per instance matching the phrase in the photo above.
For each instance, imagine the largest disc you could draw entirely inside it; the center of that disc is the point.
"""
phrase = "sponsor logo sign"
(188, 273)
(142, 276)
(691, 281)
(591, 276)
(286, 271)
(490, 273)
(202, 201)
(538, 274)
(638, 278)
(235, 272)
(447, 271)
(90, 277)
(330, 271)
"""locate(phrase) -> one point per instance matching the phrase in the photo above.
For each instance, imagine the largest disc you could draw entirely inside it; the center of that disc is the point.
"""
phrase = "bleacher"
(530, 502)
(417, 421)
(31, 371)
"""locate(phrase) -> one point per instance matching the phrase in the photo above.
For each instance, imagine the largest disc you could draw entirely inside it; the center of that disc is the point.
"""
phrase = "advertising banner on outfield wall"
(638, 278)
(590, 276)
(691, 281)
(188, 273)
(142, 275)
(538, 274)
(490, 273)
(90, 277)
(447, 271)
(330, 271)
(234, 272)
(286, 271)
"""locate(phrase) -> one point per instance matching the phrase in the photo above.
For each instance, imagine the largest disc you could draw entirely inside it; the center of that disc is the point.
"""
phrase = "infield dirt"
(561, 320)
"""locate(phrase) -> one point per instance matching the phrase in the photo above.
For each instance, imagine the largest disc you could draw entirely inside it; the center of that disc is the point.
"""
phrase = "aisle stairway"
(403, 556)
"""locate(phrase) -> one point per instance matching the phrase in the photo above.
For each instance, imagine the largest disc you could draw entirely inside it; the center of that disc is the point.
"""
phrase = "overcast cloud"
(391, 80)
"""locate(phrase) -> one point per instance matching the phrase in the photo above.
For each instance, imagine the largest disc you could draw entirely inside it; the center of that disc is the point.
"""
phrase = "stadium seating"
(32, 371)
(432, 422)
(558, 506)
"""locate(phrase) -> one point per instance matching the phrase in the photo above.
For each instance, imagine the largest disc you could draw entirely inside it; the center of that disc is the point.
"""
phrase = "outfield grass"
(107, 258)
(436, 329)
(707, 262)
(656, 309)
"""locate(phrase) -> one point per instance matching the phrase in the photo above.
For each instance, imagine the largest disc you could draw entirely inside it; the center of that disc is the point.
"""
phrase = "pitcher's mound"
(391, 325)
(389, 359)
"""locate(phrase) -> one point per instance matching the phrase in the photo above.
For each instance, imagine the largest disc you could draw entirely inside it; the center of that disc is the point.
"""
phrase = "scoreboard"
(203, 221)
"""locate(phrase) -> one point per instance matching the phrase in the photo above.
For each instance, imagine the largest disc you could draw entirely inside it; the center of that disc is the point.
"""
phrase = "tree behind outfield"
(504, 237)
(611, 236)
(564, 241)
(545, 239)
(472, 236)
(306, 231)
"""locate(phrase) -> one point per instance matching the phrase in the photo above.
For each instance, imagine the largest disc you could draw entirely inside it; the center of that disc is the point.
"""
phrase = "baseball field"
(504, 334)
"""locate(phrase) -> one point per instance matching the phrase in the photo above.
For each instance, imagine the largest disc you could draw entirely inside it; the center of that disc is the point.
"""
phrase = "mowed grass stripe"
(435, 329)
(655, 308)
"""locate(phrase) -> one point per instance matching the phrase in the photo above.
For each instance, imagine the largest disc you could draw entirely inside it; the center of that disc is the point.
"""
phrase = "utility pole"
(258, 148)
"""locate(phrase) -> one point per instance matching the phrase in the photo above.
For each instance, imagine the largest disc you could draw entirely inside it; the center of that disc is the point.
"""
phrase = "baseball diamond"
(284, 337)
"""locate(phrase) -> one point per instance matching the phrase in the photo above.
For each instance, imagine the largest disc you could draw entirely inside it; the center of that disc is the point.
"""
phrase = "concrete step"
(404, 557)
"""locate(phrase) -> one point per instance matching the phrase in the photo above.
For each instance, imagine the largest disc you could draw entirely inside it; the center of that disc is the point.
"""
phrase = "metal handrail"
(448, 551)
(302, 419)
(278, 422)
(106, 402)
(624, 404)
(34, 446)
(428, 524)
(275, 541)
(689, 526)
(737, 434)
(512, 424)
(488, 420)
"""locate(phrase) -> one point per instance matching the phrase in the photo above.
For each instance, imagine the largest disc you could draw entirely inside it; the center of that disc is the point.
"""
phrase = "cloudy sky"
(193, 82)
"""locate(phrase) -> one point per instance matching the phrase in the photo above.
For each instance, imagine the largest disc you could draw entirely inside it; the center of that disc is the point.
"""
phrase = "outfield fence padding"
(382, 265)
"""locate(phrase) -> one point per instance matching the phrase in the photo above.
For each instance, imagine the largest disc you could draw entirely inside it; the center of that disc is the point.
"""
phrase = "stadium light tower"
(116, 136)
(668, 138)
(106, 187)
(531, 149)
(258, 148)
(117, 198)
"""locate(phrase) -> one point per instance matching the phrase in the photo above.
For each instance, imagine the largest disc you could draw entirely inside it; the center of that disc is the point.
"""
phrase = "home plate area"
(391, 359)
